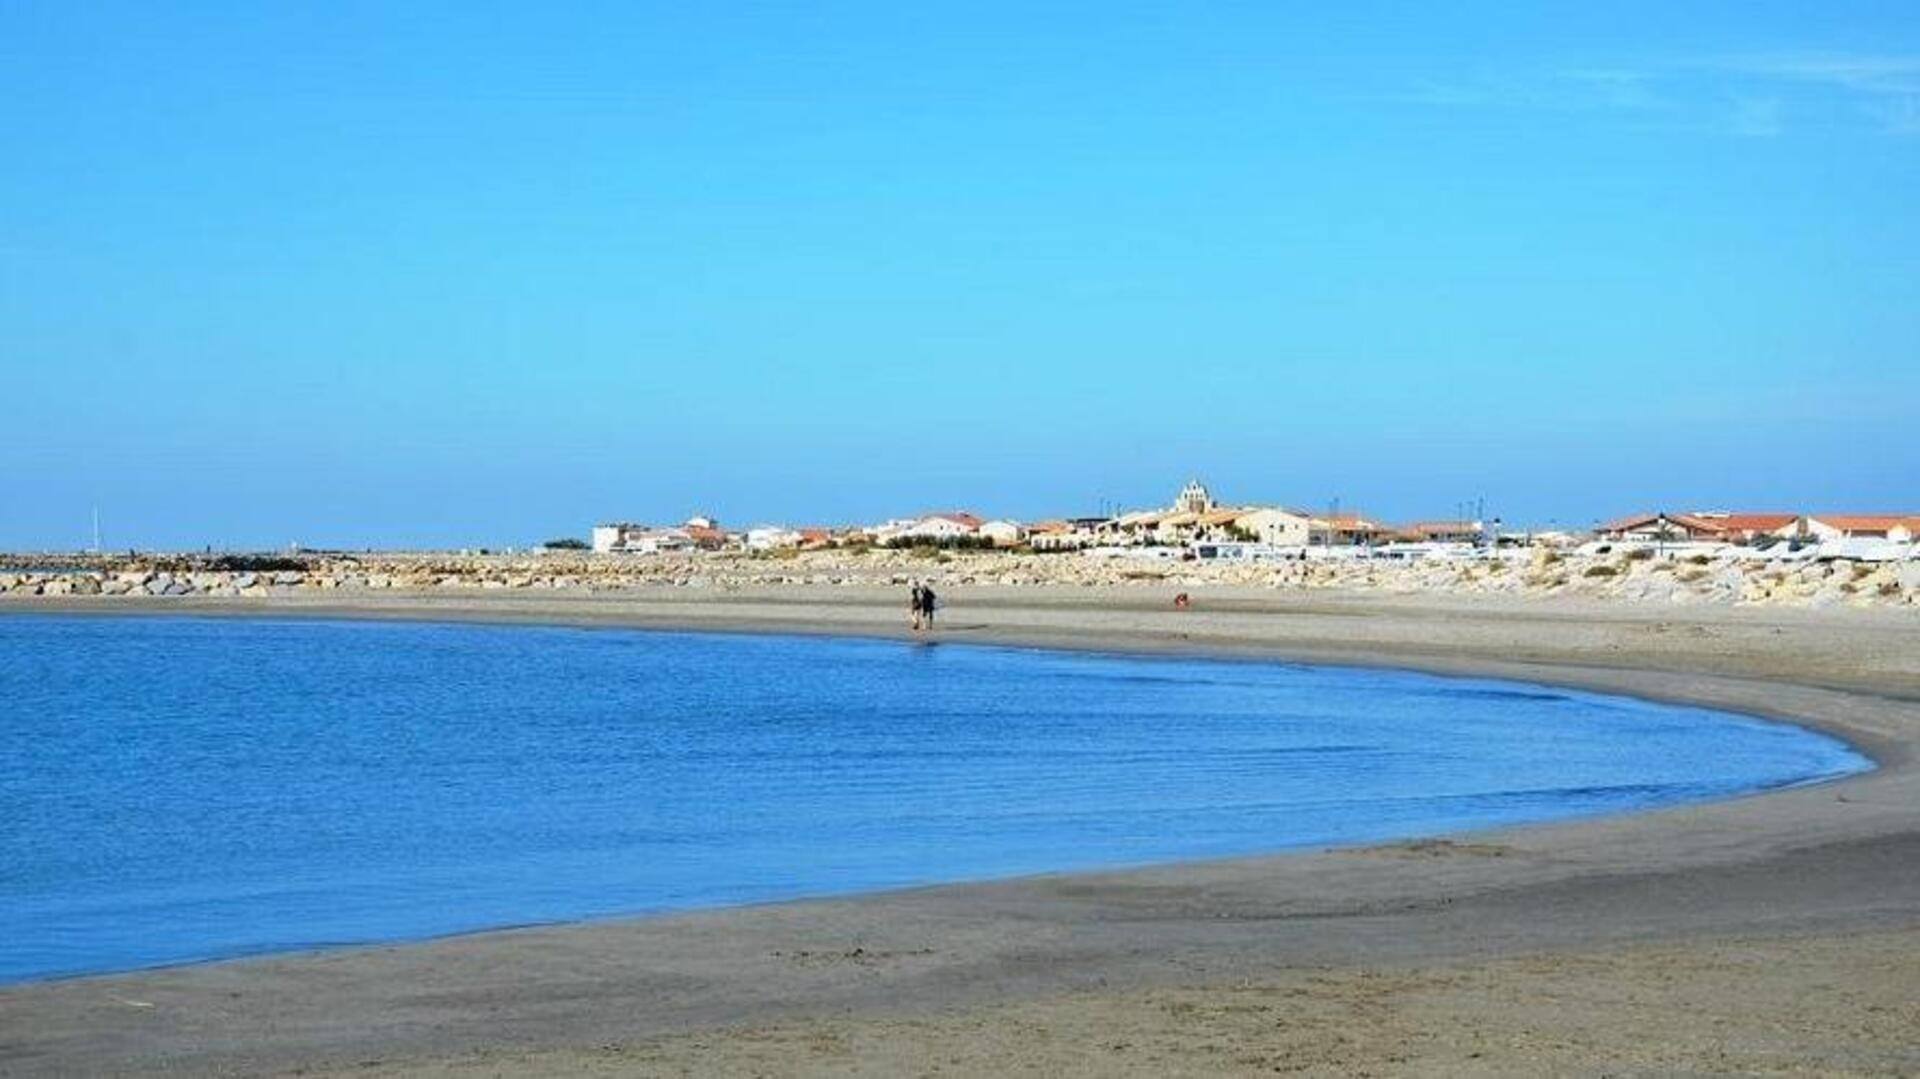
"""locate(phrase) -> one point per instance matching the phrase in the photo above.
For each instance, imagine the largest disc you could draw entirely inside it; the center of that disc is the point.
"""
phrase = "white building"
(608, 538)
(626, 538)
(1193, 498)
(888, 531)
(1003, 533)
(769, 537)
(1895, 527)
(1073, 535)
(940, 526)
(1276, 526)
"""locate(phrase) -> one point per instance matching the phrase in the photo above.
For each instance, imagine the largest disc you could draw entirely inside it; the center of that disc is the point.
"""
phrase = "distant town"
(1195, 525)
(1713, 556)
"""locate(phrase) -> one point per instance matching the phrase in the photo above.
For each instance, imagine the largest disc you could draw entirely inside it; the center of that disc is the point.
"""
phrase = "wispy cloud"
(1883, 89)
(1750, 95)
(1619, 88)
(1875, 75)
(1581, 90)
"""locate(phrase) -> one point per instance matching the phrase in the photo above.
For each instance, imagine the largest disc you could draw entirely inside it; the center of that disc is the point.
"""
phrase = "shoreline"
(1880, 751)
(987, 938)
(694, 615)
(1130, 650)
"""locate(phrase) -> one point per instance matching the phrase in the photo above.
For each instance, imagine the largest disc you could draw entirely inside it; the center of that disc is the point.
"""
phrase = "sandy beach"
(1777, 933)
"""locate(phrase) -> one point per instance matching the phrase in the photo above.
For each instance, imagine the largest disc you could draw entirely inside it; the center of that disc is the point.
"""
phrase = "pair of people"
(921, 603)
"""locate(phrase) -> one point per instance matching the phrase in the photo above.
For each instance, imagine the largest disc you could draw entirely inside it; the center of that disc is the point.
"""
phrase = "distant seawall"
(1635, 578)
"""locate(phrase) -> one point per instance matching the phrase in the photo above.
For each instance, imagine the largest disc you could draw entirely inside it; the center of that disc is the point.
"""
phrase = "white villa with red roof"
(1898, 527)
(945, 526)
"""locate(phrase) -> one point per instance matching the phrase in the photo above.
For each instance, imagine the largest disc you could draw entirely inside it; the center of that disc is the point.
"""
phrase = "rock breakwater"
(1638, 577)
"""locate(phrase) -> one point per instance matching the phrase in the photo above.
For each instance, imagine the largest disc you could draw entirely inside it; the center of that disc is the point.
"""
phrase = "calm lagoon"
(182, 789)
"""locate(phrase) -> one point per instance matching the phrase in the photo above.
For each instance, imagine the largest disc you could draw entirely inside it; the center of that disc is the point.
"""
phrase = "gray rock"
(245, 581)
(1908, 574)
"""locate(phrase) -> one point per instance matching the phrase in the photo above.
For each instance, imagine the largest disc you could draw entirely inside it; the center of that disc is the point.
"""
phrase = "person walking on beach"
(916, 604)
(928, 602)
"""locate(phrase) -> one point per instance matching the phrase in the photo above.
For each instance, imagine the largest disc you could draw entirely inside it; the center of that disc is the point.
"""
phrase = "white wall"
(939, 528)
(1277, 527)
(1003, 533)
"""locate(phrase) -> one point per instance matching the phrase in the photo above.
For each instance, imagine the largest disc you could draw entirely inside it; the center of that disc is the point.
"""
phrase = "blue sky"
(465, 275)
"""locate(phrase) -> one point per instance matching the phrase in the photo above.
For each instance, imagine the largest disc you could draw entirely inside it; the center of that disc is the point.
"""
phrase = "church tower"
(1193, 499)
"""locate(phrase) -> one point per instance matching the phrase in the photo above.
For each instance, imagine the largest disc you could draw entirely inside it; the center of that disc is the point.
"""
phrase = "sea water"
(181, 789)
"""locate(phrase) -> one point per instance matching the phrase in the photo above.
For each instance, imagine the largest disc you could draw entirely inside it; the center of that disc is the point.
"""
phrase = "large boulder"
(1908, 574)
(1830, 596)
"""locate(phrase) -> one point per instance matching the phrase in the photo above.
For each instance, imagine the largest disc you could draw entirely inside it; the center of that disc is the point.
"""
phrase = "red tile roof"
(1352, 522)
(1865, 522)
(1621, 524)
(1223, 516)
(1753, 522)
(1685, 521)
(966, 519)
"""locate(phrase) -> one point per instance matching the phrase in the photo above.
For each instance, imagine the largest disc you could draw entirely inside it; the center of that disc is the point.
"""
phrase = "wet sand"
(1773, 933)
